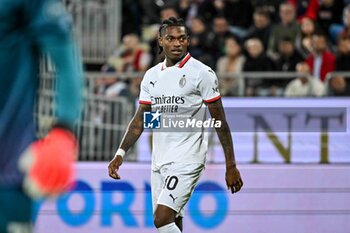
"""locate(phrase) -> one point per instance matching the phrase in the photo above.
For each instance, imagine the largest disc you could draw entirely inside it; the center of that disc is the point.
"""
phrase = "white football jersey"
(182, 90)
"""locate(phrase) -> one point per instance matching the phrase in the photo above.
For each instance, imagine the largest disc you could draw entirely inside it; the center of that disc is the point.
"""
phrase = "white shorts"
(173, 185)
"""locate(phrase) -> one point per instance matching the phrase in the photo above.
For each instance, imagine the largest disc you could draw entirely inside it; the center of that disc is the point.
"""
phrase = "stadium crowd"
(234, 36)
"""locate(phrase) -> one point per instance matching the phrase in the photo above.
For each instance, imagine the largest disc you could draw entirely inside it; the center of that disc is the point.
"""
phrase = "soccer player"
(28, 29)
(180, 83)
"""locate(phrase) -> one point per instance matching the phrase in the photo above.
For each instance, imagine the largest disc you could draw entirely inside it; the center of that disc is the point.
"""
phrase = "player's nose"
(177, 43)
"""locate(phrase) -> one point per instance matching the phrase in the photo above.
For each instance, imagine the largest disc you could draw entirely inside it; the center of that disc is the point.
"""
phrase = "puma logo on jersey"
(152, 83)
(172, 197)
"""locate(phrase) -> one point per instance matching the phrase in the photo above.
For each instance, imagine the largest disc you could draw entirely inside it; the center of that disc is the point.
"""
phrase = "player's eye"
(182, 39)
(170, 39)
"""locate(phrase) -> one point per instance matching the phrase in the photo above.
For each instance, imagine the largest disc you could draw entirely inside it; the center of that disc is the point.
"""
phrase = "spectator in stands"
(321, 61)
(256, 60)
(151, 9)
(232, 62)
(132, 56)
(288, 27)
(330, 12)
(306, 8)
(338, 86)
(167, 12)
(188, 10)
(237, 13)
(199, 47)
(239, 16)
(150, 12)
(346, 19)
(261, 27)
(271, 6)
(216, 38)
(304, 85)
(337, 30)
(303, 40)
(111, 86)
(343, 57)
(288, 56)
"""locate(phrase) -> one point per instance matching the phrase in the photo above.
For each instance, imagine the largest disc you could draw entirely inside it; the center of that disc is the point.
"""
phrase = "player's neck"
(170, 62)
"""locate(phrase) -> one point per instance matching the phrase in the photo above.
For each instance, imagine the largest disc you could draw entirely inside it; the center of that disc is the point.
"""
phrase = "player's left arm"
(209, 89)
(233, 177)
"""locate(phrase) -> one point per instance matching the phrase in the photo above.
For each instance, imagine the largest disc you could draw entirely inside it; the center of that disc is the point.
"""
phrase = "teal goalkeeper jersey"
(29, 28)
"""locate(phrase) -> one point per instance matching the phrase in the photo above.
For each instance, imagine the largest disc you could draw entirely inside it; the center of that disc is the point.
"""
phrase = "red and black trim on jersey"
(180, 64)
(144, 102)
(212, 99)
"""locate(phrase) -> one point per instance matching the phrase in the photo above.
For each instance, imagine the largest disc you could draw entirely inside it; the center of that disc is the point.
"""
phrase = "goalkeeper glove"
(48, 164)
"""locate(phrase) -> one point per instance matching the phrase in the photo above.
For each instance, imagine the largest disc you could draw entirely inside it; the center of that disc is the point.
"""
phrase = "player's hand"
(114, 165)
(233, 179)
(48, 164)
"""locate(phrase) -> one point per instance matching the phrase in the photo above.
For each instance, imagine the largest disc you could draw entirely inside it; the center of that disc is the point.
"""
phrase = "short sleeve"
(208, 86)
(145, 96)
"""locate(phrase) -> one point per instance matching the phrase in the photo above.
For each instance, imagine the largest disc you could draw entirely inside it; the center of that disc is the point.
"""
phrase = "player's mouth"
(176, 52)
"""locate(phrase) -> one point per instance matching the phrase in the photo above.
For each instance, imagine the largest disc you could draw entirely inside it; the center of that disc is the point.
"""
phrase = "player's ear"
(188, 41)
(160, 41)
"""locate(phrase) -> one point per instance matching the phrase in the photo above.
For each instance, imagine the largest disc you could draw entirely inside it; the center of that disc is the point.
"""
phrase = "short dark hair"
(320, 33)
(172, 21)
(232, 37)
(287, 39)
(262, 11)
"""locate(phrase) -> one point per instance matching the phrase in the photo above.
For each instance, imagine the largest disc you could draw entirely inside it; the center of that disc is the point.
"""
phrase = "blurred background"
(293, 56)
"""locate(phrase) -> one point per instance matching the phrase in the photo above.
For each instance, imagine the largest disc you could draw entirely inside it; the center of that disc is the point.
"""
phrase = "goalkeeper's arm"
(48, 163)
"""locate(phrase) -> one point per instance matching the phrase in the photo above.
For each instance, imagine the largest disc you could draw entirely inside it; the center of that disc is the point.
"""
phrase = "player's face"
(175, 42)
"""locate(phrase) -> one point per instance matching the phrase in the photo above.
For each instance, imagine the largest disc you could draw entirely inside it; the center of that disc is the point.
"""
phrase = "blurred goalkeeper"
(31, 168)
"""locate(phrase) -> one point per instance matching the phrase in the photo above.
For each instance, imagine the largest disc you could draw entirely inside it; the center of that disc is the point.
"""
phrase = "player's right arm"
(135, 127)
(131, 135)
